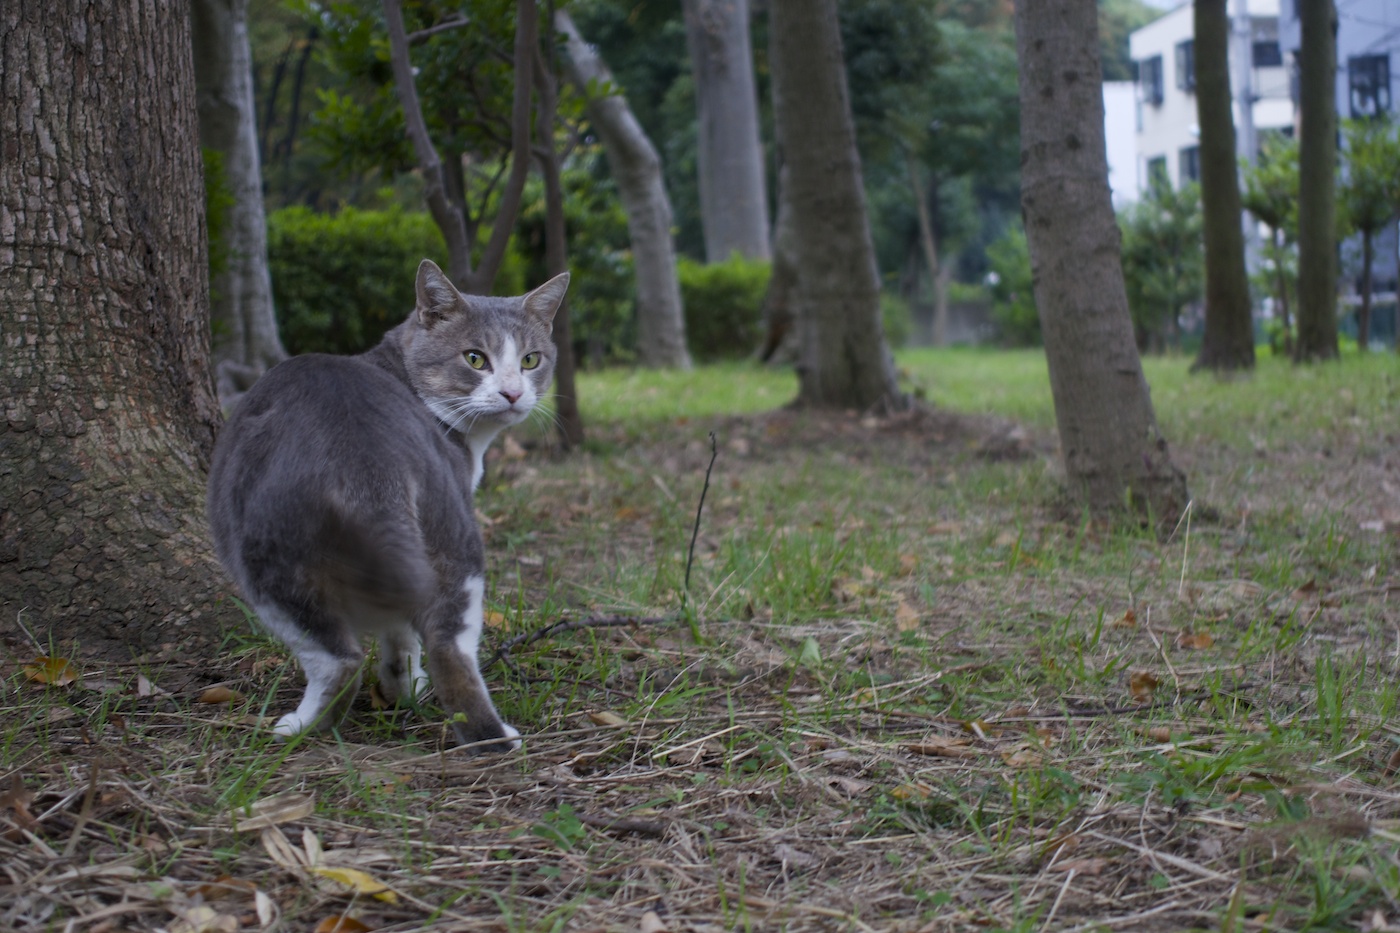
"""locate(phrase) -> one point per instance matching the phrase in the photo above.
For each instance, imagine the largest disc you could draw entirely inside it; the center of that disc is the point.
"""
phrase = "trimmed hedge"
(723, 306)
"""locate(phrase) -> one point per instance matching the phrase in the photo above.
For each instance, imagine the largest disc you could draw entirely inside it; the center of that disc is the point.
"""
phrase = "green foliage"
(602, 295)
(341, 280)
(1163, 259)
(723, 306)
(1369, 193)
(897, 319)
(1013, 295)
(1118, 18)
(218, 201)
(1271, 195)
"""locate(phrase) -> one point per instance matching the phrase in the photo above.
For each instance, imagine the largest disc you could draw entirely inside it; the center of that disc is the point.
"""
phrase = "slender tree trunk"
(1112, 449)
(733, 202)
(937, 279)
(245, 327)
(1281, 277)
(1363, 315)
(844, 362)
(1317, 189)
(1228, 342)
(109, 408)
(779, 314)
(637, 170)
(556, 258)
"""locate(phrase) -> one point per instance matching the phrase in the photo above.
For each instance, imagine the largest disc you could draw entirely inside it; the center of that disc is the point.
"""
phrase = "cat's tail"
(376, 564)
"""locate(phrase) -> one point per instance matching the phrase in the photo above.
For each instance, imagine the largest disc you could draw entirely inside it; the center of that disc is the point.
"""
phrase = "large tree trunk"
(733, 203)
(779, 316)
(1228, 342)
(245, 328)
(1113, 452)
(637, 170)
(110, 412)
(1317, 188)
(556, 258)
(844, 360)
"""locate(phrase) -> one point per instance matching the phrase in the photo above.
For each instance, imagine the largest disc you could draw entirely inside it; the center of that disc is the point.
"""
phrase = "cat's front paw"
(289, 725)
(477, 743)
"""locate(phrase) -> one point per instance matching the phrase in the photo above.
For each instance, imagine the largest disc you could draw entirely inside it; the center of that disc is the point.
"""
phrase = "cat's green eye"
(475, 359)
(530, 360)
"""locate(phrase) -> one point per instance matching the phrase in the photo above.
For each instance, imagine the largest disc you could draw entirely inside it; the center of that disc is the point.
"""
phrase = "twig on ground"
(695, 532)
(569, 625)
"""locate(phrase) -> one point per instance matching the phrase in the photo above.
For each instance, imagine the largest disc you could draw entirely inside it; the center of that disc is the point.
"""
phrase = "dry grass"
(917, 694)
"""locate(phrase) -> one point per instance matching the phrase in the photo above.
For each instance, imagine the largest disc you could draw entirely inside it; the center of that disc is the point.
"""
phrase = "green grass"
(914, 693)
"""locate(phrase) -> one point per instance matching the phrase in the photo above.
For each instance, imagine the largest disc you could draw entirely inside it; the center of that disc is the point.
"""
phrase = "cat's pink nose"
(511, 397)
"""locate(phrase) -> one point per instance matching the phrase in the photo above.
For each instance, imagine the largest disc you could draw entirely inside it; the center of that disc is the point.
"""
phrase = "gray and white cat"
(340, 499)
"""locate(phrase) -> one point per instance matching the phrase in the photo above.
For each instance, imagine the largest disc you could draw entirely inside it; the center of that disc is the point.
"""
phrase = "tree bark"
(636, 168)
(109, 408)
(1113, 452)
(937, 276)
(1317, 183)
(733, 201)
(556, 259)
(245, 327)
(844, 360)
(1228, 342)
(1363, 314)
(779, 316)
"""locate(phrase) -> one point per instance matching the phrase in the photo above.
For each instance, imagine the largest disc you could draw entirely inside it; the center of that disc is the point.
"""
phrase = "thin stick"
(695, 533)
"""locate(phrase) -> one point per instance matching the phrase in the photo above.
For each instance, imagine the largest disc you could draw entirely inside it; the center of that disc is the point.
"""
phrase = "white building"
(1168, 133)
(1119, 116)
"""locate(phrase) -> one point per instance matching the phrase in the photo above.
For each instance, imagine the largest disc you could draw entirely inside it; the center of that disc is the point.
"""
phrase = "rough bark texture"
(556, 258)
(636, 168)
(733, 201)
(1317, 185)
(1113, 452)
(109, 407)
(779, 314)
(1228, 342)
(245, 327)
(844, 360)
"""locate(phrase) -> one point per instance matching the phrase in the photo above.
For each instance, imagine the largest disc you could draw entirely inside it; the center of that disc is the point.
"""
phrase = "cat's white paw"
(512, 735)
(288, 726)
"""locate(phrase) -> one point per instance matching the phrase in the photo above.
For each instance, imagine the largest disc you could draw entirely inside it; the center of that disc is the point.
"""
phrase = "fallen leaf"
(224, 886)
(14, 809)
(915, 791)
(850, 786)
(1127, 620)
(942, 748)
(359, 882)
(1022, 758)
(1194, 641)
(56, 672)
(1158, 733)
(980, 728)
(495, 619)
(908, 563)
(200, 918)
(1392, 764)
(605, 717)
(906, 617)
(219, 694)
(336, 923)
(270, 811)
(1142, 684)
(652, 923)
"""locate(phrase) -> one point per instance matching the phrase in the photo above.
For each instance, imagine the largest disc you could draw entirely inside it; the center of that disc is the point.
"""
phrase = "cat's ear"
(437, 298)
(544, 301)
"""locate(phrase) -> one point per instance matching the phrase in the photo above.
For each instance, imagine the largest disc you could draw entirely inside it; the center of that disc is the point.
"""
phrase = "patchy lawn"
(910, 688)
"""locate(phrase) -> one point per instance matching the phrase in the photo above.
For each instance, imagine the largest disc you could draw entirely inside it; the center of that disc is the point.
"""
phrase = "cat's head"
(480, 363)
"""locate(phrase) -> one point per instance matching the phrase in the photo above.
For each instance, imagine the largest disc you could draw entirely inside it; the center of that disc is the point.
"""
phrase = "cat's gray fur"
(340, 499)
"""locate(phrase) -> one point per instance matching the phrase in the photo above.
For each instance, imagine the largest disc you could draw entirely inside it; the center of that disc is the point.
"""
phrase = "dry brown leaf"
(906, 617)
(14, 809)
(359, 882)
(605, 717)
(915, 791)
(1127, 620)
(1195, 641)
(980, 728)
(1158, 733)
(219, 694)
(652, 923)
(1022, 758)
(272, 811)
(224, 886)
(495, 619)
(1142, 685)
(945, 528)
(55, 672)
(939, 747)
(848, 785)
(908, 563)
(200, 918)
(337, 923)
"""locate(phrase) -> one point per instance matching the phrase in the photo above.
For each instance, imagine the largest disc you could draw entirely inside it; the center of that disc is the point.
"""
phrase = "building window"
(1268, 55)
(1189, 163)
(1186, 65)
(1369, 77)
(1157, 172)
(1150, 80)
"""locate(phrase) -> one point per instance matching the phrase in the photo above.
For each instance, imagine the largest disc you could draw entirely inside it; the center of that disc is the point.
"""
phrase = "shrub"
(341, 280)
(1013, 308)
(897, 318)
(723, 306)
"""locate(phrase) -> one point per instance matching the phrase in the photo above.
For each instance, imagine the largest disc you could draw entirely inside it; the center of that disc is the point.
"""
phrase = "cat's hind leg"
(331, 664)
(451, 631)
(401, 675)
